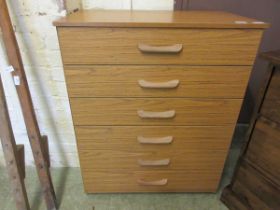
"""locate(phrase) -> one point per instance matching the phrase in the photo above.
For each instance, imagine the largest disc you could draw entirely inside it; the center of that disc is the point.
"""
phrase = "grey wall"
(265, 10)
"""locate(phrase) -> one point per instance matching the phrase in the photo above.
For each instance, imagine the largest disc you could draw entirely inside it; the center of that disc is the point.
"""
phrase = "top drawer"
(88, 45)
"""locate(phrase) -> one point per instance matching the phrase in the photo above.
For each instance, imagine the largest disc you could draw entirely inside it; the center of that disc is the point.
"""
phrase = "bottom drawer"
(255, 190)
(264, 147)
(104, 181)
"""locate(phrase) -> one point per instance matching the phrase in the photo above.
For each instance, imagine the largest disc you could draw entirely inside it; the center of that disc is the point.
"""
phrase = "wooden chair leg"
(11, 154)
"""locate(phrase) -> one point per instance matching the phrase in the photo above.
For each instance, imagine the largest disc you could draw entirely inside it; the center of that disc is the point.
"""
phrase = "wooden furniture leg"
(33, 131)
(11, 154)
(21, 159)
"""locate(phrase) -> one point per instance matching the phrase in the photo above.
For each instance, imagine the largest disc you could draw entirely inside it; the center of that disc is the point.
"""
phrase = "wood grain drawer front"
(119, 147)
(155, 159)
(255, 190)
(158, 46)
(157, 81)
(271, 104)
(102, 181)
(263, 150)
(154, 138)
(155, 111)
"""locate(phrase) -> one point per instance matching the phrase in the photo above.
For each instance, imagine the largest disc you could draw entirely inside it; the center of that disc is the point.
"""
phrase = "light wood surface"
(155, 140)
(125, 138)
(122, 81)
(194, 149)
(160, 182)
(172, 49)
(171, 84)
(104, 181)
(187, 159)
(155, 95)
(123, 111)
(156, 114)
(116, 147)
(201, 47)
(153, 163)
(170, 19)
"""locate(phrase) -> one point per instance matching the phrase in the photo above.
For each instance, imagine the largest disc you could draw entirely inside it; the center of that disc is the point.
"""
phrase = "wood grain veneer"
(123, 111)
(106, 181)
(116, 147)
(158, 19)
(188, 159)
(173, 79)
(125, 137)
(200, 47)
(194, 81)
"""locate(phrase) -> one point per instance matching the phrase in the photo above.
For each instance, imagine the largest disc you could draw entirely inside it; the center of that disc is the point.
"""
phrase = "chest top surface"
(159, 19)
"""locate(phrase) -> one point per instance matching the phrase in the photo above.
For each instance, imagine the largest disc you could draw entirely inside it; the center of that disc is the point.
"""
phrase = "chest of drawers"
(155, 95)
(256, 181)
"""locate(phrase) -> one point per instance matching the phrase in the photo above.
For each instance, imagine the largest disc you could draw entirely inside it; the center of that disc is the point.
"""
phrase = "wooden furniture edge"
(238, 24)
(262, 92)
(272, 56)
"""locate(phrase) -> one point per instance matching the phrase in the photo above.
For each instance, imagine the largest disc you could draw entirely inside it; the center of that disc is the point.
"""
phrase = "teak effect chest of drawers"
(155, 95)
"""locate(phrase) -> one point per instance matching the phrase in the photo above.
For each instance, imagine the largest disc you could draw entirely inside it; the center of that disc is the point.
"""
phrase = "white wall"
(41, 56)
(128, 4)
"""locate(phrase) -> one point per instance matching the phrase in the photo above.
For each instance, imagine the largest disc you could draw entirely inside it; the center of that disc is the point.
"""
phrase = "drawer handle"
(161, 85)
(174, 49)
(162, 115)
(161, 140)
(152, 183)
(163, 162)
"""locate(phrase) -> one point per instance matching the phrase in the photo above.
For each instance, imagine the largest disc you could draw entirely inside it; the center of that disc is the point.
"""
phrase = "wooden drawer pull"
(161, 140)
(152, 183)
(174, 49)
(164, 115)
(163, 162)
(160, 85)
